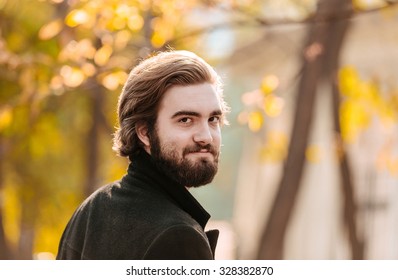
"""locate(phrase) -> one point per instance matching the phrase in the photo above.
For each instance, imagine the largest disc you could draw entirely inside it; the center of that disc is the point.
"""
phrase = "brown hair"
(144, 89)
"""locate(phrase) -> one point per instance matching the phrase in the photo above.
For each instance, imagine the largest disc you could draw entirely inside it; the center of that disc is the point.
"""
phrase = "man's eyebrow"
(216, 113)
(194, 114)
(185, 113)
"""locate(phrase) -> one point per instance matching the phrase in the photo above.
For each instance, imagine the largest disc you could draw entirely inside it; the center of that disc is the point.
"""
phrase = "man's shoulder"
(134, 205)
(139, 217)
(101, 195)
(179, 241)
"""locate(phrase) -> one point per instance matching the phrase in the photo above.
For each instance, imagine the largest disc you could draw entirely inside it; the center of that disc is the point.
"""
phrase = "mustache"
(198, 148)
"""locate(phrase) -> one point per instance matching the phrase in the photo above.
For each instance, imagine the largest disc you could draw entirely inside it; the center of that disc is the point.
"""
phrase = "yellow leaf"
(124, 11)
(354, 118)
(369, 92)
(269, 84)
(72, 77)
(118, 23)
(5, 117)
(348, 81)
(275, 149)
(50, 30)
(88, 69)
(368, 4)
(135, 22)
(273, 105)
(85, 48)
(102, 55)
(122, 38)
(114, 80)
(77, 17)
(158, 40)
(255, 121)
(162, 31)
(145, 5)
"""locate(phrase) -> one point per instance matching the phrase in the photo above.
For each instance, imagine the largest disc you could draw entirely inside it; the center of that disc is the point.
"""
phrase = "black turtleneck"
(146, 215)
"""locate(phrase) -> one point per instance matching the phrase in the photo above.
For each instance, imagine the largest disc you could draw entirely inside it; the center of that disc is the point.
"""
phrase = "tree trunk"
(96, 96)
(314, 59)
(5, 251)
(29, 213)
(26, 238)
(335, 42)
(357, 245)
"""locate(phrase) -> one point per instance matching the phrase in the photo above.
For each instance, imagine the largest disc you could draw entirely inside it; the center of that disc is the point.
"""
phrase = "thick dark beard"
(184, 171)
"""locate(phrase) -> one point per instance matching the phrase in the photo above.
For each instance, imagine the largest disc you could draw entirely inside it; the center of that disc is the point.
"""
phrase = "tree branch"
(257, 21)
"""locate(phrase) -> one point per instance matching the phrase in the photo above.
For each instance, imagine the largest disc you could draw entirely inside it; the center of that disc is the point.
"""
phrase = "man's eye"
(185, 120)
(215, 119)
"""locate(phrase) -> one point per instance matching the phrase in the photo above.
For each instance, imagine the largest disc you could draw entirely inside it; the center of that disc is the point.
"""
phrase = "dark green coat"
(145, 215)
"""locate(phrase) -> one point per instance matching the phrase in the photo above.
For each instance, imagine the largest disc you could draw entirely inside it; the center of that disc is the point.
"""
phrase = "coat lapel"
(212, 236)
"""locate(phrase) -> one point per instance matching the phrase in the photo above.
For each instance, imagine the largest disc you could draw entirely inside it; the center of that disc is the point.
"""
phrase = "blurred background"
(309, 165)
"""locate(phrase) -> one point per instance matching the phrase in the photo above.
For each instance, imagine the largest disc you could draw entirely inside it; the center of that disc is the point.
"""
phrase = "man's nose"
(203, 135)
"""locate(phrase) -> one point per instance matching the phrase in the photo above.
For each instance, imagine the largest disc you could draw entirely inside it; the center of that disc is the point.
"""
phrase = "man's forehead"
(201, 99)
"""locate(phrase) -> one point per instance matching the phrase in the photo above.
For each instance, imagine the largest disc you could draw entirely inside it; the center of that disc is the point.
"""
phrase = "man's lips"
(201, 152)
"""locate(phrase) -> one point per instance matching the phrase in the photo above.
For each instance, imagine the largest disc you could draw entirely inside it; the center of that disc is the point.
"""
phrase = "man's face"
(185, 142)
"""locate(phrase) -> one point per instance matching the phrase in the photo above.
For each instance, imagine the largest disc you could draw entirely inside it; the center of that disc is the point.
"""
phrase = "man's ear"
(141, 129)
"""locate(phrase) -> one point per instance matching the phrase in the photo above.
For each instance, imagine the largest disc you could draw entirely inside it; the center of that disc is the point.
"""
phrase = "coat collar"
(143, 168)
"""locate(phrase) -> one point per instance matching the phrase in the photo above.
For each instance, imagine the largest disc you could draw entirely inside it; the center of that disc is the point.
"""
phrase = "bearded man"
(170, 115)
